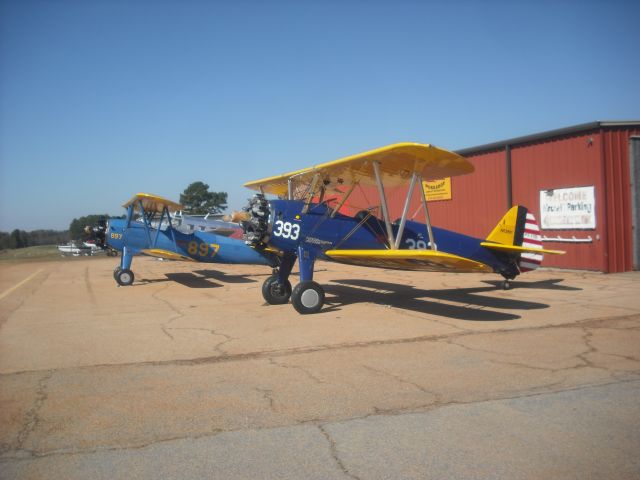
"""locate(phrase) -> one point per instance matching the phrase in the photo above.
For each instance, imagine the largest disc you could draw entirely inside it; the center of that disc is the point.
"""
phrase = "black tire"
(115, 272)
(506, 285)
(307, 297)
(274, 292)
(124, 276)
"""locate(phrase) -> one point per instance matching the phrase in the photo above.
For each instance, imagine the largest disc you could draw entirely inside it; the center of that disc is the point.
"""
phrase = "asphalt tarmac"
(189, 374)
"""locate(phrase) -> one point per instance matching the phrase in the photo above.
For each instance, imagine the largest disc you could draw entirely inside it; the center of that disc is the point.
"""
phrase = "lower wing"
(166, 254)
(427, 260)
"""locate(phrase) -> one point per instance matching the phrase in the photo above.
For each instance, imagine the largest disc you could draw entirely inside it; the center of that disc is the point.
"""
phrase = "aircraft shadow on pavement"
(551, 284)
(190, 280)
(202, 278)
(226, 278)
(472, 305)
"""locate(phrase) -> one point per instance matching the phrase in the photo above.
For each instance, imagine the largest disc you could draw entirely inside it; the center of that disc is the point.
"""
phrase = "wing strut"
(383, 201)
(432, 243)
(155, 237)
(405, 212)
(310, 192)
(146, 220)
(290, 188)
(344, 198)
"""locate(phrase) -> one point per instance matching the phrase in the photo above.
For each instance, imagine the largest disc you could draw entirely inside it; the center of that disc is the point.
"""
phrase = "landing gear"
(506, 284)
(123, 276)
(307, 297)
(274, 292)
(122, 273)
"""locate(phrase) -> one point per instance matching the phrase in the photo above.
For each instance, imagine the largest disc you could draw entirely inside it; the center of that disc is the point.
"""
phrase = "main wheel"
(115, 272)
(274, 292)
(123, 276)
(307, 297)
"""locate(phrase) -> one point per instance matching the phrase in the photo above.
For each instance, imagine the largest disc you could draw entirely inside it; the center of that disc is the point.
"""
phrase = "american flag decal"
(531, 239)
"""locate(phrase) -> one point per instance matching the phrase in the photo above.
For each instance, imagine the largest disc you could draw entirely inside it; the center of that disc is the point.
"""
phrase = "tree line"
(20, 238)
(196, 198)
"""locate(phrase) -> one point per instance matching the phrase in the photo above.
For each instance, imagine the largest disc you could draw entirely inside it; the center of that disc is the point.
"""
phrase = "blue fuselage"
(316, 232)
(200, 246)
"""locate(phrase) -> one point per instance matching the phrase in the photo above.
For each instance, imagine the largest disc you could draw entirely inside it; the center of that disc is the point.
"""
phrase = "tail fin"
(518, 233)
(510, 229)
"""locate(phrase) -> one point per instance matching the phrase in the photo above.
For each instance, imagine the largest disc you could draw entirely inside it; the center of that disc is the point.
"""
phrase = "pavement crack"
(267, 394)
(227, 339)
(87, 283)
(110, 448)
(165, 331)
(399, 379)
(32, 416)
(333, 449)
(502, 362)
(272, 361)
(321, 423)
(211, 331)
(289, 352)
(587, 335)
(173, 308)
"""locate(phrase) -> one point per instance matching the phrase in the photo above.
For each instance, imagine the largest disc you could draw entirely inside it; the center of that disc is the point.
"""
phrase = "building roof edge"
(583, 127)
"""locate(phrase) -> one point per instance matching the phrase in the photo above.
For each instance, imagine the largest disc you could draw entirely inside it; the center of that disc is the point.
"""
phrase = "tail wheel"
(123, 276)
(274, 292)
(307, 297)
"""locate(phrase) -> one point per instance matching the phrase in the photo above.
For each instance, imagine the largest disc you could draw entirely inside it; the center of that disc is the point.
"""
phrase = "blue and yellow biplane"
(148, 229)
(304, 227)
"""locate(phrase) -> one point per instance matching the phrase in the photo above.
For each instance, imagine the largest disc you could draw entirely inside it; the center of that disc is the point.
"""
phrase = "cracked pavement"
(188, 374)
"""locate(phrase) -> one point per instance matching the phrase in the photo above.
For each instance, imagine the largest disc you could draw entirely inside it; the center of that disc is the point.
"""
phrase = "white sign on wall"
(568, 208)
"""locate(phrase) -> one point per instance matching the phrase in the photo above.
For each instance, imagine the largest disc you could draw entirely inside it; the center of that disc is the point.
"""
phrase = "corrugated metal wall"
(572, 161)
(598, 157)
(615, 151)
(464, 213)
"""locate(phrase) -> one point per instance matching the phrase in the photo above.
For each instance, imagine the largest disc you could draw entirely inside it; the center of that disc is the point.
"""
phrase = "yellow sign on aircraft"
(437, 189)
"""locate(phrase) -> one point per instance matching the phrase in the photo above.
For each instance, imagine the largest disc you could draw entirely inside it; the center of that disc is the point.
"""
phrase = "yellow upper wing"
(427, 260)
(153, 203)
(397, 163)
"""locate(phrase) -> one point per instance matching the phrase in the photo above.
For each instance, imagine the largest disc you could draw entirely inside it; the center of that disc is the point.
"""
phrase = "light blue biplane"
(148, 229)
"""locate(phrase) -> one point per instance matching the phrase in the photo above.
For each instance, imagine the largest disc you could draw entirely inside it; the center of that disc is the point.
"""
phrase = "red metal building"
(585, 178)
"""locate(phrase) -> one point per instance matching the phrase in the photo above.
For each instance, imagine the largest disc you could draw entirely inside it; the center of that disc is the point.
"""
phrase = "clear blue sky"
(103, 99)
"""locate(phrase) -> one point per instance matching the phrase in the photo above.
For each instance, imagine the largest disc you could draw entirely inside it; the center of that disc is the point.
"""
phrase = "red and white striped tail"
(531, 239)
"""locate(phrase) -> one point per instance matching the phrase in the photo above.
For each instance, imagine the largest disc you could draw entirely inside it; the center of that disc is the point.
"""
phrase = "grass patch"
(41, 252)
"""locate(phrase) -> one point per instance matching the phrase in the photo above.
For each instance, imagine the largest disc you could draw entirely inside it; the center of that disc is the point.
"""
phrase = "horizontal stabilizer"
(517, 249)
(166, 254)
(427, 260)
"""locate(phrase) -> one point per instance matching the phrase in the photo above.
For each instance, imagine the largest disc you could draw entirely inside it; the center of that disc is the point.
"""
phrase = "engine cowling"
(256, 228)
